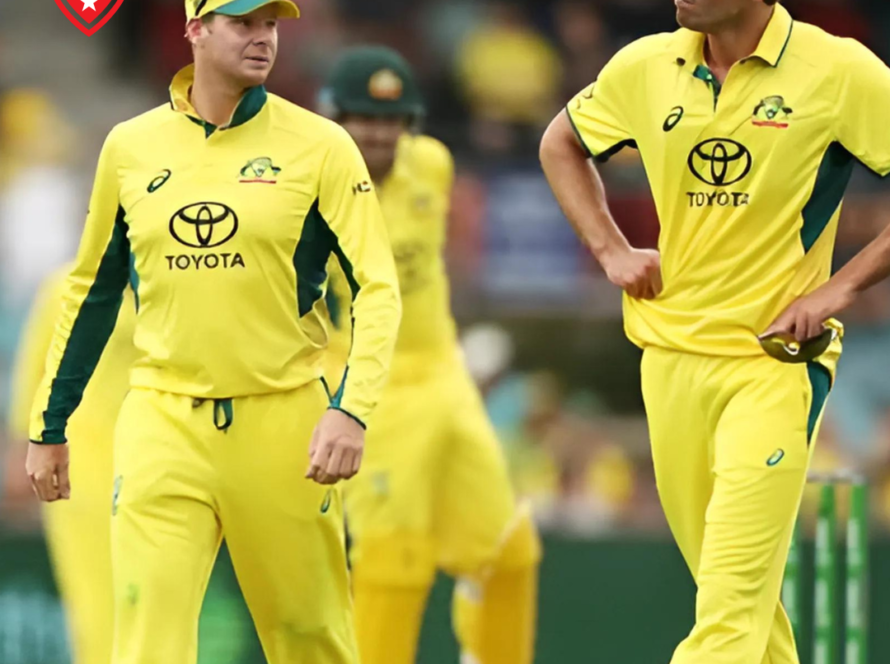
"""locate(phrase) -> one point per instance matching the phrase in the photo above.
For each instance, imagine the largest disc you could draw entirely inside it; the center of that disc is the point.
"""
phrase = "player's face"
(377, 138)
(709, 16)
(241, 47)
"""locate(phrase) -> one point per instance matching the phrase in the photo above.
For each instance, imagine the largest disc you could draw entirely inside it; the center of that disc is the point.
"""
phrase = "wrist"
(844, 287)
(607, 251)
(349, 415)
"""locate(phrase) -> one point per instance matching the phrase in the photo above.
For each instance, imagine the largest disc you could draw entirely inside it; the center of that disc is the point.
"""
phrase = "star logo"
(88, 16)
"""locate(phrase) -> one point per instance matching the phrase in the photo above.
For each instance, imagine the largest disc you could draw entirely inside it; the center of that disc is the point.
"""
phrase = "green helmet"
(371, 80)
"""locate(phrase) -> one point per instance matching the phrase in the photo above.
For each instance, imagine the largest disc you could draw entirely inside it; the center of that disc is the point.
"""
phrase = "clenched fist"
(336, 450)
(636, 271)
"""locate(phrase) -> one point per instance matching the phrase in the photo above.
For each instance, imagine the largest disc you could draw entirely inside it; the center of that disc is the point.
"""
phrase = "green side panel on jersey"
(134, 278)
(311, 258)
(334, 309)
(828, 192)
(317, 243)
(820, 382)
(90, 332)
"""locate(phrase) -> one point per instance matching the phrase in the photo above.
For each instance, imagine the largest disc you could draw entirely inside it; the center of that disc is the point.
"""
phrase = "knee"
(521, 546)
(398, 559)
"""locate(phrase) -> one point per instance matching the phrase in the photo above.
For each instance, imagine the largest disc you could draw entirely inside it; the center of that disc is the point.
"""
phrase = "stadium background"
(542, 326)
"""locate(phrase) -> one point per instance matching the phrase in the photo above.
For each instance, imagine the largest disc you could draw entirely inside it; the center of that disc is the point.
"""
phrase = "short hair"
(771, 2)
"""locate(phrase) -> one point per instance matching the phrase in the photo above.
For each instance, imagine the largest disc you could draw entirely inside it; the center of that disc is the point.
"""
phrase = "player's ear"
(194, 29)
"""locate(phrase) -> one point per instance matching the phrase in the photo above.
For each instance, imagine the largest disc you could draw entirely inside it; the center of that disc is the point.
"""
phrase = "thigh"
(165, 532)
(770, 418)
(474, 504)
(393, 493)
(285, 533)
(761, 450)
(680, 433)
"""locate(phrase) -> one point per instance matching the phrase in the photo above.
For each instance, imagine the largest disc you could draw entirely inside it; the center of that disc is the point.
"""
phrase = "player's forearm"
(868, 267)
(579, 189)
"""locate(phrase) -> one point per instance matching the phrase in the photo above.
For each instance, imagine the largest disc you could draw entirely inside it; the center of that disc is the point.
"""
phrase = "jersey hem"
(145, 383)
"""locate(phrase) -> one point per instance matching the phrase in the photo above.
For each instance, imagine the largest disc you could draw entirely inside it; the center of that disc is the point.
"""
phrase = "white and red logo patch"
(89, 15)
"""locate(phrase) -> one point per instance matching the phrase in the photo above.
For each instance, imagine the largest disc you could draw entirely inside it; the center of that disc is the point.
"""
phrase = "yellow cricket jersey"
(224, 234)
(93, 423)
(415, 199)
(748, 178)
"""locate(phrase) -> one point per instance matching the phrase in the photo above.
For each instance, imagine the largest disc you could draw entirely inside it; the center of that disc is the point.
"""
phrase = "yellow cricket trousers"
(190, 472)
(731, 441)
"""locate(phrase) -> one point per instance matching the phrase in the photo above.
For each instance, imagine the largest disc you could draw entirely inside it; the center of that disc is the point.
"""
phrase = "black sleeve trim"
(578, 134)
(606, 155)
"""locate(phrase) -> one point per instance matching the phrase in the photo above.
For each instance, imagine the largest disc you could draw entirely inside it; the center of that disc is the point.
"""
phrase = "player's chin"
(687, 16)
(686, 20)
(255, 72)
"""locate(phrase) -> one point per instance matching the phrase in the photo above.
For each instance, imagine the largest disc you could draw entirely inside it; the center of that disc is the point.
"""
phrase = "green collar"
(704, 74)
(775, 38)
(689, 45)
(251, 103)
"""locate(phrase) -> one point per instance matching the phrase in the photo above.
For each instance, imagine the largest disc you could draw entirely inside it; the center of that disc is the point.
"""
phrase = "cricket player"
(435, 492)
(221, 209)
(748, 124)
(78, 531)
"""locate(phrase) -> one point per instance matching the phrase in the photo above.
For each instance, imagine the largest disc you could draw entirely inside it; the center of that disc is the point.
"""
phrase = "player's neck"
(737, 41)
(214, 97)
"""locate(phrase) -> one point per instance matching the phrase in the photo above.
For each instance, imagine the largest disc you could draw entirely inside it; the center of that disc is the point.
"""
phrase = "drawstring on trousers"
(223, 413)
(224, 407)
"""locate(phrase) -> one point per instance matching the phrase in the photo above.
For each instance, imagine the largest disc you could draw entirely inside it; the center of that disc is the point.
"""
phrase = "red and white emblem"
(89, 15)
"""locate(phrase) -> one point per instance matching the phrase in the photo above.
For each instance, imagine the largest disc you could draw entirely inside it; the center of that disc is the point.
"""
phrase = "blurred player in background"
(435, 491)
(748, 125)
(78, 531)
(221, 208)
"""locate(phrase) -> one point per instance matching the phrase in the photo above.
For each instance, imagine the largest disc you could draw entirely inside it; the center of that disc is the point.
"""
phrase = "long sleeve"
(90, 305)
(349, 206)
(30, 359)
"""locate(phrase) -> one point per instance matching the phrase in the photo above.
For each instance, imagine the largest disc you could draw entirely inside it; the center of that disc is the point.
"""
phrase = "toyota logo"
(720, 161)
(204, 225)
